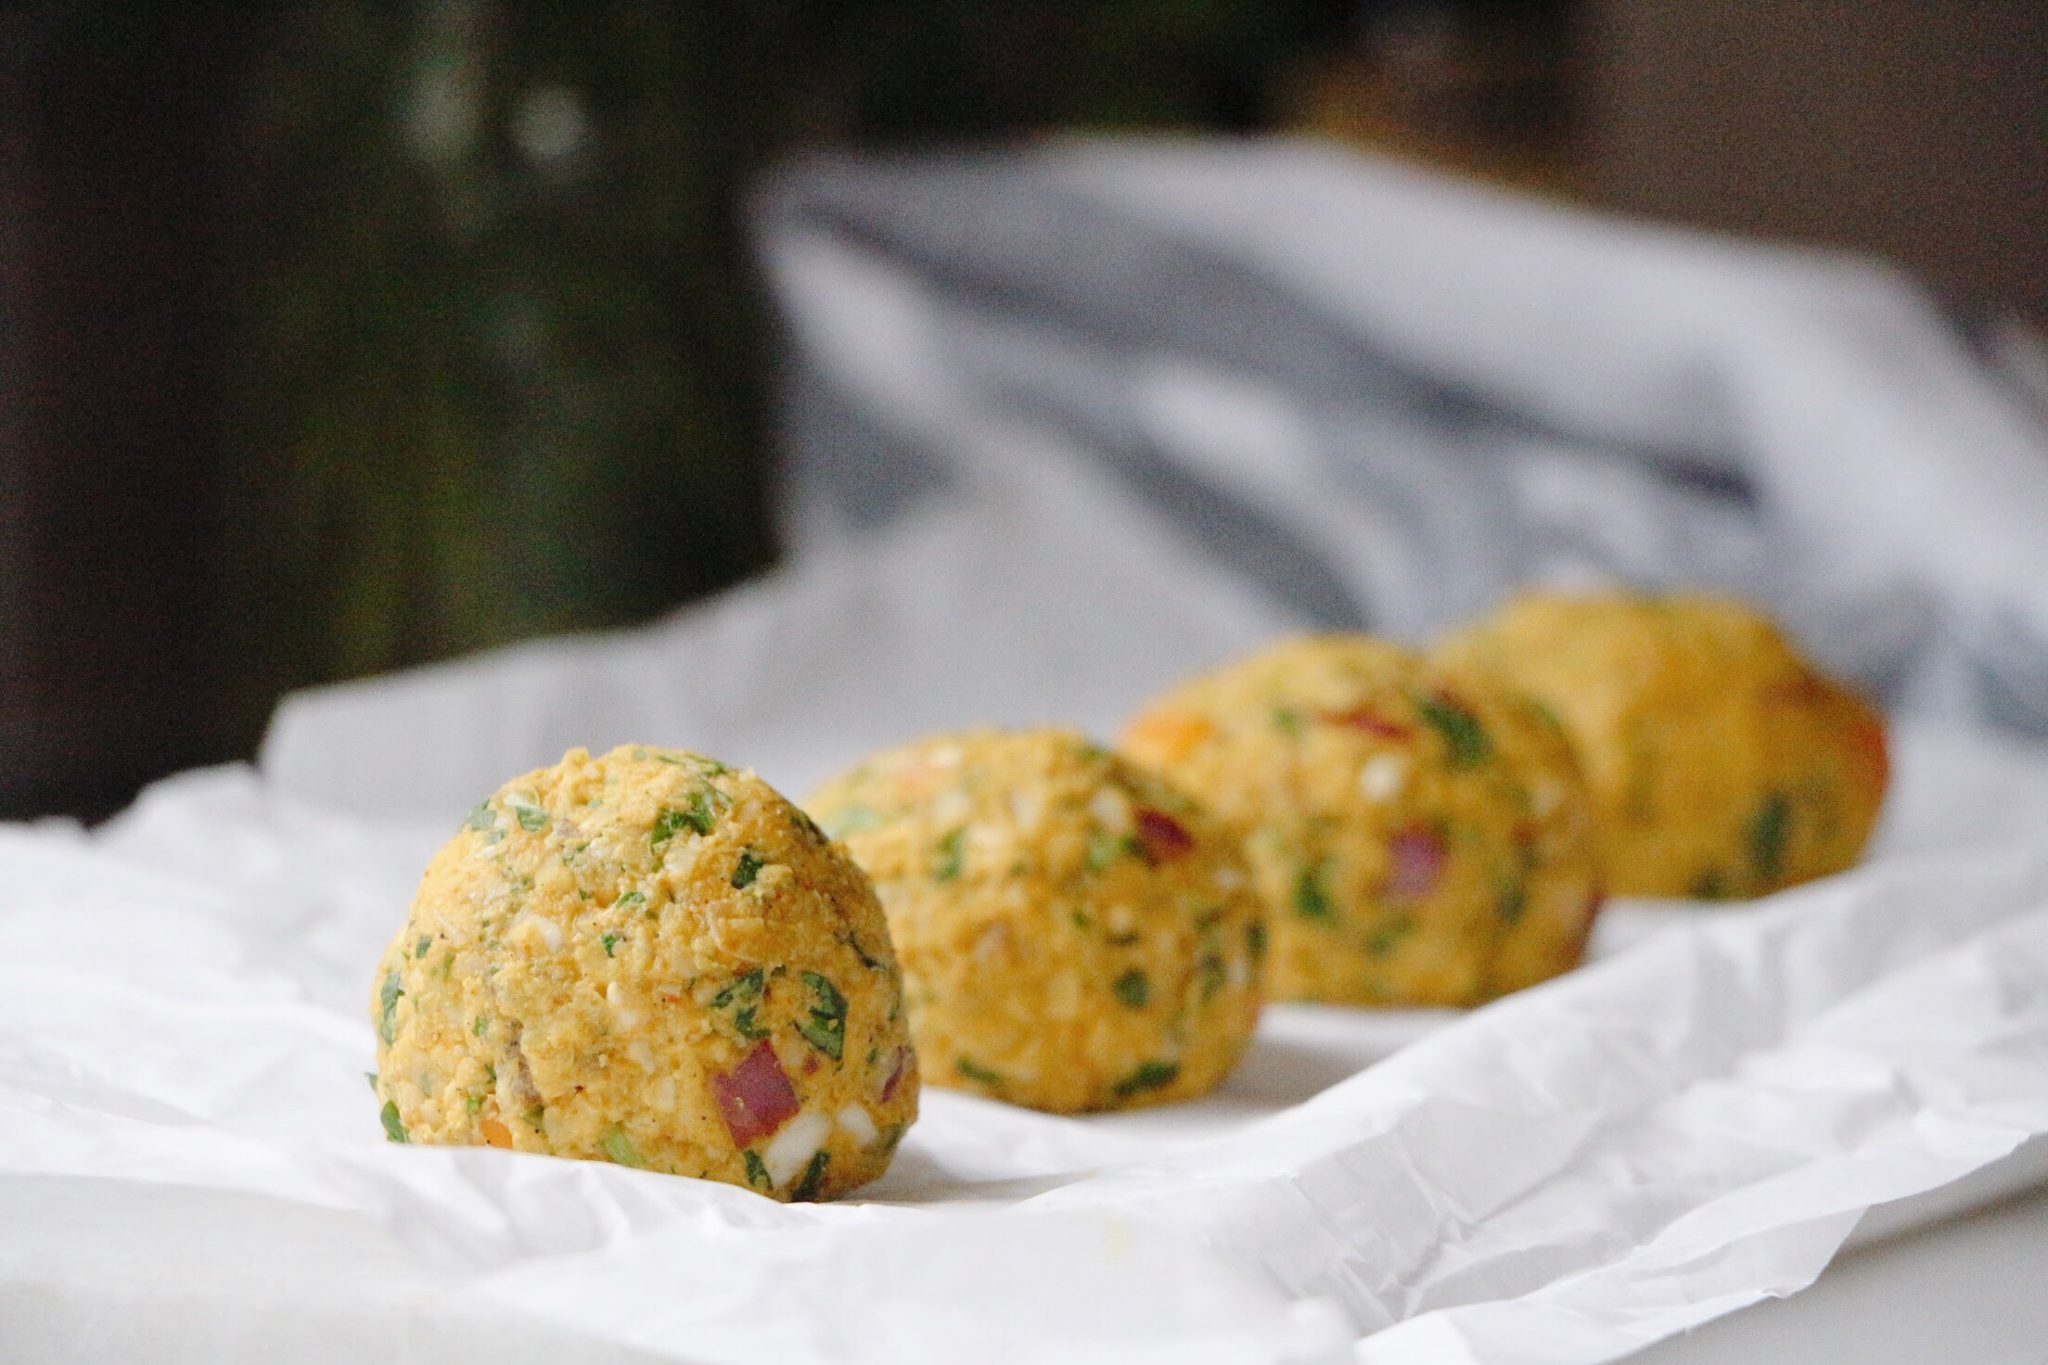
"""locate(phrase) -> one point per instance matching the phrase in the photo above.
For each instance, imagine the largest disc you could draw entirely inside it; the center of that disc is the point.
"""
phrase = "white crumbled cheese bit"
(1120, 919)
(1229, 878)
(951, 807)
(1382, 776)
(528, 928)
(622, 1009)
(1027, 807)
(790, 1150)
(854, 1119)
(1111, 809)
(660, 1094)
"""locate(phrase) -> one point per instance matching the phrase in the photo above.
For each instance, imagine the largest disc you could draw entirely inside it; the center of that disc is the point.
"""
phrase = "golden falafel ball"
(1722, 764)
(1075, 934)
(1418, 839)
(652, 959)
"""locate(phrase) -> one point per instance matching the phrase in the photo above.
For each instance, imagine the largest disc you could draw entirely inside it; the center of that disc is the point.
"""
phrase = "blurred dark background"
(336, 337)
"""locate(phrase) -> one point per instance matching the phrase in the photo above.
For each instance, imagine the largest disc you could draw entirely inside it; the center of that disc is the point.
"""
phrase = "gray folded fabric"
(1383, 398)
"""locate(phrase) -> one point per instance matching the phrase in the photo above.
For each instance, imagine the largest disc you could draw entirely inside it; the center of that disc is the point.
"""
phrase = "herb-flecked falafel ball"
(1420, 839)
(1722, 763)
(1075, 934)
(652, 959)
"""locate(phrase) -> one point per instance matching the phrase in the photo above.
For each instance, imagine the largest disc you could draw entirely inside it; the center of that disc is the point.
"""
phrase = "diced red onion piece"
(1162, 837)
(755, 1098)
(1371, 722)
(896, 1074)
(1416, 858)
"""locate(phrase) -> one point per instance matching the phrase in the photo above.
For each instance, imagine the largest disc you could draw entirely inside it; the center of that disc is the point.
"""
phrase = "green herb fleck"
(1388, 936)
(482, 818)
(447, 966)
(1255, 941)
(742, 988)
(1133, 988)
(1287, 721)
(394, 1127)
(825, 1027)
(610, 941)
(1512, 902)
(853, 820)
(748, 868)
(814, 1178)
(481, 1026)
(700, 811)
(976, 1072)
(387, 998)
(1105, 847)
(371, 1077)
(1710, 885)
(743, 1023)
(807, 826)
(1148, 1076)
(1311, 897)
(1546, 713)
(535, 1112)
(618, 1147)
(473, 1103)
(531, 817)
(630, 898)
(419, 949)
(1461, 730)
(892, 1135)
(1210, 972)
(1769, 831)
(1080, 919)
(757, 1169)
(952, 856)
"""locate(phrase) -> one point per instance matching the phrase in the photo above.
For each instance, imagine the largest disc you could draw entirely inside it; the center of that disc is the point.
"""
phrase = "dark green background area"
(301, 379)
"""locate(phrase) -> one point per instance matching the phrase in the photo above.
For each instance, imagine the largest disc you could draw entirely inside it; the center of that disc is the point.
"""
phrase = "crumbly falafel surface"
(1722, 763)
(1075, 934)
(653, 959)
(1420, 837)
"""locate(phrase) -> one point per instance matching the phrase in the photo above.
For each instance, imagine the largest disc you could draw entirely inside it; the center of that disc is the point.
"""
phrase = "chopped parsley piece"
(1287, 720)
(1546, 714)
(807, 826)
(387, 1000)
(473, 1103)
(1513, 901)
(825, 1026)
(976, 1072)
(743, 988)
(535, 1112)
(952, 856)
(748, 868)
(610, 941)
(1148, 1076)
(854, 820)
(757, 1169)
(1388, 936)
(1311, 897)
(1080, 919)
(531, 817)
(618, 1147)
(665, 826)
(699, 812)
(371, 1077)
(1710, 885)
(1255, 941)
(1769, 831)
(743, 1023)
(394, 1127)
(814, 1178)
(1133, 988)
(1211, 973)
(871, 963)
(630, 898)
(1463, 735)
(1105, 848)
(420, 949)
(482, 818)
(481, 1026)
